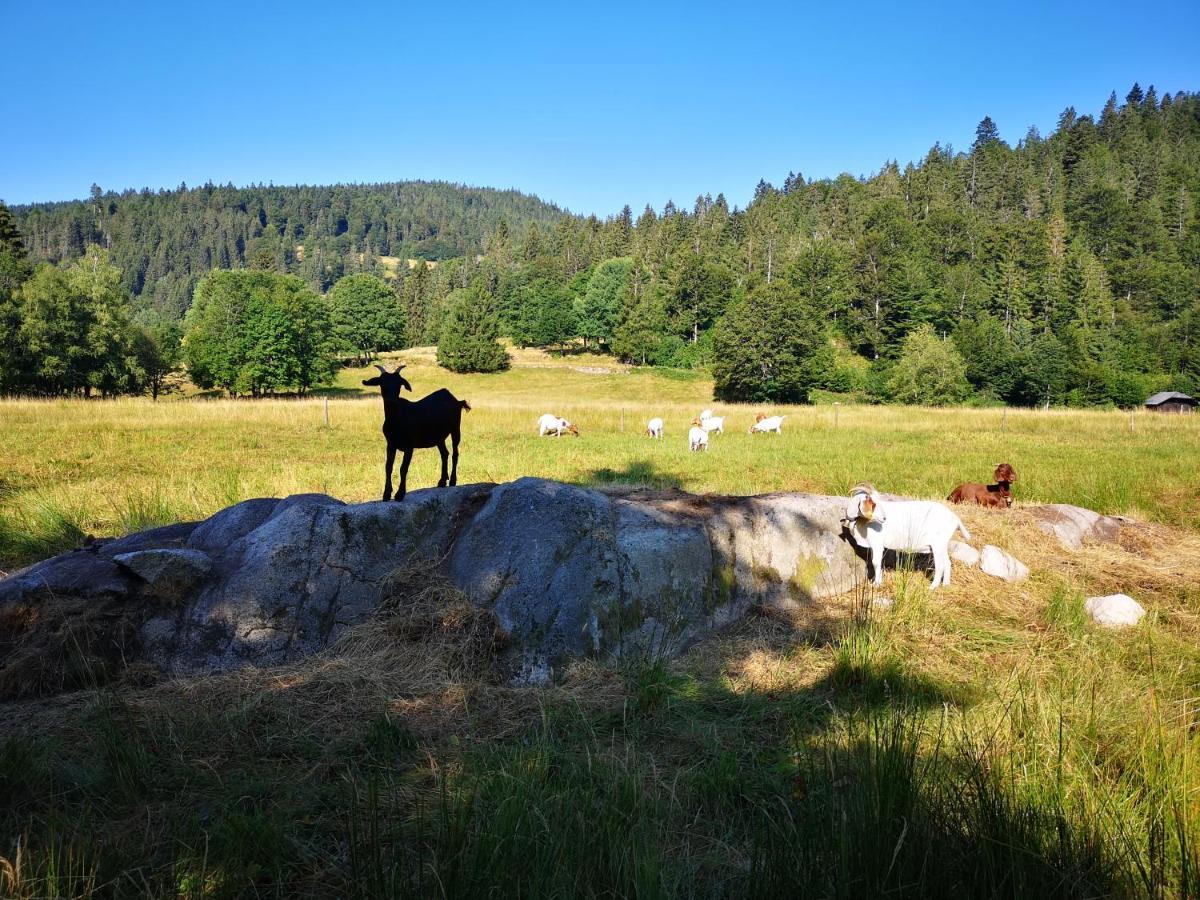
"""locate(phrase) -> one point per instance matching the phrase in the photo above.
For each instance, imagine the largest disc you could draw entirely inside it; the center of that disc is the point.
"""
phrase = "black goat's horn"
(381, 368)
(398, 368)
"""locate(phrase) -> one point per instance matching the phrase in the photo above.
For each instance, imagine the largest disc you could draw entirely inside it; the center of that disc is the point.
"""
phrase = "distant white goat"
(654, 427)
(763, 424)
(707, 414)
(913, 526)
(713, 423)
(697, 437)
(551, 424)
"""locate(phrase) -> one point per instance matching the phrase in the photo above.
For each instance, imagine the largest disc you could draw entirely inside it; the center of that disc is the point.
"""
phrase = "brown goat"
(998, 494)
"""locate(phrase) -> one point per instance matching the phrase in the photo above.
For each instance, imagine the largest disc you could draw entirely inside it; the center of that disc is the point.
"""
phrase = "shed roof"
(1164, 396)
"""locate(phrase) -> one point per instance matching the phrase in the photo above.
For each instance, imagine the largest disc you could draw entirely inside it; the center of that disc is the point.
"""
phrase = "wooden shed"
(1171, 402)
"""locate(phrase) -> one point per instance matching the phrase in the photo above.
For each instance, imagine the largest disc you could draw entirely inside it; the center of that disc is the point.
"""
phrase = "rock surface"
(995, 562)
(169, 574)
(964, 553)
(1114, 611)
(567, 572)
(1075, 526)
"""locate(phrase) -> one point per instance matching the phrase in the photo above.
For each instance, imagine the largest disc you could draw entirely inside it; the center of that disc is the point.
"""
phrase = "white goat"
(551, 424)
(654, 427)
(913, 526)
(707, 414)
(713, 423)
(763, 424)
(697, 438)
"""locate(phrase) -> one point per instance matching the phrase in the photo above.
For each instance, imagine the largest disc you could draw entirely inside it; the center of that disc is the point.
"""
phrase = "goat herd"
(698, 432)
(873, 523)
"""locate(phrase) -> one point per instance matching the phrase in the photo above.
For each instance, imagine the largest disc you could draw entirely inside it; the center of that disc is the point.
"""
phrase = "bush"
(930, 372)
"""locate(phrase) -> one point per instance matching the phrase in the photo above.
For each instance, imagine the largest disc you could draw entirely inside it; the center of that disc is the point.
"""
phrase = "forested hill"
(1059, 268)
(164, 241)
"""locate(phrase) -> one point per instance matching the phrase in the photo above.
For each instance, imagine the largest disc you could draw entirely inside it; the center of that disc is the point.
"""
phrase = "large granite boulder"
(566, 571)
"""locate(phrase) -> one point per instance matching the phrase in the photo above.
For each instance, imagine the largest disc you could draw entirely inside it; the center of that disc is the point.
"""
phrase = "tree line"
(1064, 269)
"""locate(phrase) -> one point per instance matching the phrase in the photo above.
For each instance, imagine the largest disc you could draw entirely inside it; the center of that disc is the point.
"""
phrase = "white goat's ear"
(880, 515)
(854, 507)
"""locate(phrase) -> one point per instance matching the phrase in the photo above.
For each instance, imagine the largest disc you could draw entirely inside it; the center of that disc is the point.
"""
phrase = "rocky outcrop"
(1075, 526)
(566, 571)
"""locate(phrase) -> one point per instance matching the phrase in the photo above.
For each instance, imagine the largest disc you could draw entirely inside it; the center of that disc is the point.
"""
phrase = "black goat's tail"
(465, 405)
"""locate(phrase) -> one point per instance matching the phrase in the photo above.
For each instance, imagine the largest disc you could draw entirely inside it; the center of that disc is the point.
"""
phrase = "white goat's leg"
(877, 564)
(941, 568)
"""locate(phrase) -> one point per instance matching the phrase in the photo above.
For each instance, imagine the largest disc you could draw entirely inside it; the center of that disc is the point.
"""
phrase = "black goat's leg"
(445, 456)
(404, 474)
(454, 436)
(387, 485)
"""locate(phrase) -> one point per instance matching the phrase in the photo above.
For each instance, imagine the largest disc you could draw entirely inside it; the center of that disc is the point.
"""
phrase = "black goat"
(409, 426)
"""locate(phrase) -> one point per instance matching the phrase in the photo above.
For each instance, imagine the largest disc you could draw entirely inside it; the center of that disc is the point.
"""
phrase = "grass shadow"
(637, 474)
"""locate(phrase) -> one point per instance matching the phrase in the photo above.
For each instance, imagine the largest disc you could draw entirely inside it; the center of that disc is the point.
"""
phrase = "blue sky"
(587, 106)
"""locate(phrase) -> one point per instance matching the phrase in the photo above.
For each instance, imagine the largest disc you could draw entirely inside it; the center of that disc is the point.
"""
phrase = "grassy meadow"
(982, 741)
(73, 468)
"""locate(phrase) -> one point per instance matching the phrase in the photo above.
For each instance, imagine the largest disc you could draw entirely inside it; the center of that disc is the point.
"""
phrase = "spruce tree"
(468, 341)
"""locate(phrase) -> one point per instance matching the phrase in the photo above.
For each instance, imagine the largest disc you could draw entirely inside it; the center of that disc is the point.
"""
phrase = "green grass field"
(982, 741)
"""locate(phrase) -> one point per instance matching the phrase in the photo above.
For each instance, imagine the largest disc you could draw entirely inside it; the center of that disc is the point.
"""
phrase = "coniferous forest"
(1062, 269)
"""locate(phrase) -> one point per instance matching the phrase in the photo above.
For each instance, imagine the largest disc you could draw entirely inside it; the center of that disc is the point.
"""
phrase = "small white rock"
(882, 603)
(999, 564)
(1114, 611)
(964, 553)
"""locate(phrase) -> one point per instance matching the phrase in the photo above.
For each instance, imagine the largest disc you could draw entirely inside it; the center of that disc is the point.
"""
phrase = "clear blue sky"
(588, 105)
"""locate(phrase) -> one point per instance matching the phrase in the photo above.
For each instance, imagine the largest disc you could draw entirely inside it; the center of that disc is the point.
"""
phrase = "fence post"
(836, 409)
(326, 410)
(622, 420)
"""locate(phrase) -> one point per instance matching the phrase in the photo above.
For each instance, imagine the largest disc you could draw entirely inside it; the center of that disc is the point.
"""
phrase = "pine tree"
(986, 133)
(469, 335)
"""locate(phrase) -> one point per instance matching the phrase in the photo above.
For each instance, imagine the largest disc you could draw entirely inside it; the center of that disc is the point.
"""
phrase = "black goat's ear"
(371, 382)
(404, 384)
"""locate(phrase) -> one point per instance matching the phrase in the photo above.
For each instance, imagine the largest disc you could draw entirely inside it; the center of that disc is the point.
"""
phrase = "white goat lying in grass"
(912, 526)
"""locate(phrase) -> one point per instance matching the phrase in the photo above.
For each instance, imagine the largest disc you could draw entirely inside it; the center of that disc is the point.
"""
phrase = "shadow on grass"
(637, 474)
(862, 783)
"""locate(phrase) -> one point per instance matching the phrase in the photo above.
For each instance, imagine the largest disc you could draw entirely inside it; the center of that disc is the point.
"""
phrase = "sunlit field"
(985, 740)
(73, 468)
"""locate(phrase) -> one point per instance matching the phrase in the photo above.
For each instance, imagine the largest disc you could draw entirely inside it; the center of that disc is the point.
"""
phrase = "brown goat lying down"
(998, 494)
